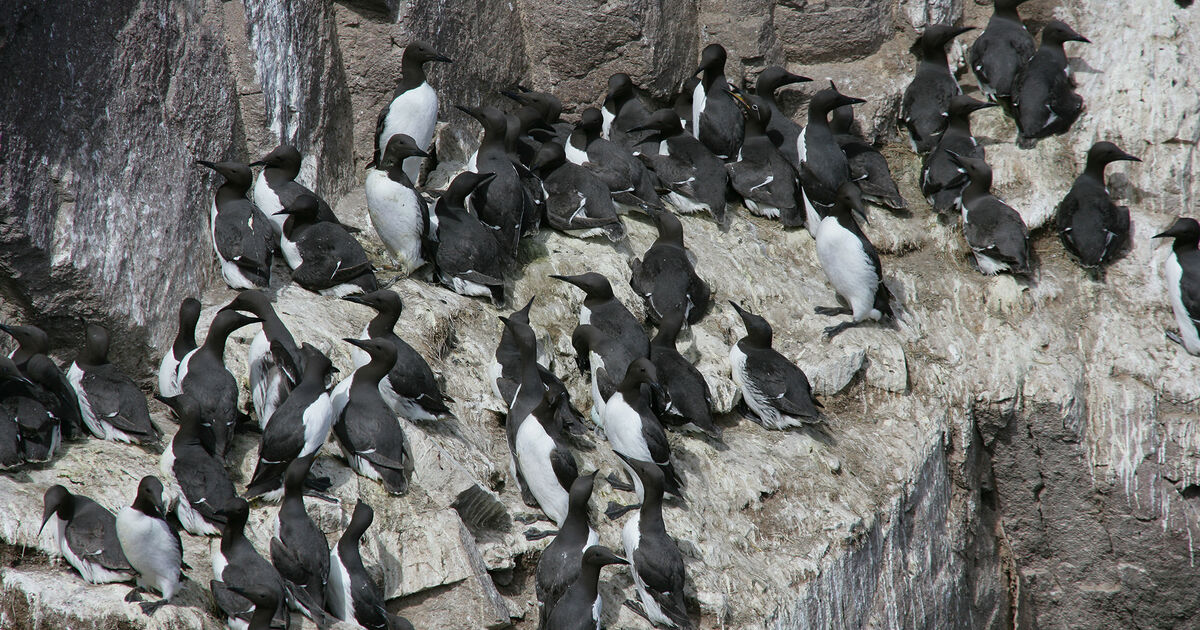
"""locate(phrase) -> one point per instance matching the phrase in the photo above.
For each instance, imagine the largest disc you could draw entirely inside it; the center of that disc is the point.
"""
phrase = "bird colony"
(718, 148)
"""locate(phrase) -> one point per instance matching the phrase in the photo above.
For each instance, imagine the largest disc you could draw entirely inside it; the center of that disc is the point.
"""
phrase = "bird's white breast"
(533, 447)
(396, 215)
(847, 267)
(413, 112)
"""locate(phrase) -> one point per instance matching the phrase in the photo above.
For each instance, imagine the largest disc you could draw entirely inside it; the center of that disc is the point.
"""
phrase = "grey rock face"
(104, 212)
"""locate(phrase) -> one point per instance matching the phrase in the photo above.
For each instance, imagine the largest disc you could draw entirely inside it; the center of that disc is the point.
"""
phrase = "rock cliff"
(1018, 454)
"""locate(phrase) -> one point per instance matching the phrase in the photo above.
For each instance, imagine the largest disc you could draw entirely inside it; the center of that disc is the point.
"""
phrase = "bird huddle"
(296, 409)
(639, 387)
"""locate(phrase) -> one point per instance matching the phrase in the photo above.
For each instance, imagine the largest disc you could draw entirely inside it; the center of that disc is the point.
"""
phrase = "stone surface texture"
(1017, 454)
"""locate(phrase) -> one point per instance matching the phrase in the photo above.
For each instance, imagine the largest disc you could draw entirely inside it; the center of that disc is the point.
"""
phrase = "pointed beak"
(441, 58)
(1125, 157)
(258, 163)
(211, 165)
(284, 211)
(356, 299)
(45, 519)
(568, 279)
(698, 71)
(961, 30)
(473, 113)
(513, 95)
(355, 342)
(419, 153)
(850, 100)
(1076, 37)
(790, 78)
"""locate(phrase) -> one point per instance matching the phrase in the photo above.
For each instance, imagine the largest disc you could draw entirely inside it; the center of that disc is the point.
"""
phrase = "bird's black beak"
(473, 113)
(418, 153)
(790, 78)
(356, 342)
(356, 300)
(45, 519)
(258, 163)
(1125, 157)
(284, 211)
(441, 58)
(849, 100)
(514, 96)
(211, 165)
(960, 31)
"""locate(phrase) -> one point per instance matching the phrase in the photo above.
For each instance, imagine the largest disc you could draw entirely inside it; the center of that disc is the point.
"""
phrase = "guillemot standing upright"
(398, 212)
(298, 428)
(851, 264)
(927, 97)
(185, 342)
(151, 543)
(1044, 92)
(352, 595)
(665, 276)
(274, 360)
(999, 54)
(716, 120)
(558, 565)
(413, 108)
(1182, 271)
(242, 236)
(204, 377)
(1091, 226)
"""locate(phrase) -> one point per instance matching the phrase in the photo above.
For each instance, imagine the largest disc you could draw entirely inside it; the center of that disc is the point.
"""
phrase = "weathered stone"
(832, 29)
(102, 207)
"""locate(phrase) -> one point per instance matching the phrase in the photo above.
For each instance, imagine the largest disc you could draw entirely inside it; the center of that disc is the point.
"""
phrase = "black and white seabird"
(237, 564)
(40, 406)
(665, 276)
(276, 187)
(994, 231)
(628, 180)
(694, 178)
(775, 389)
(30, 339)
(299, 549)
(199, 486)
(398, 212)
(410, 389)
(823, 165)
(851, 264)
(414, 106)
(366, 429)
(204, 377)
(868, 168)
(111, 405)
(1091, 226)
(533, 204)
(621, 112)
(632, 428)
(242, 235)
(542, 463)
(580, 606)
(657, 566)
(558, 565)
(151, 543)
(783, 131)
(689, 402)
(86, 535)
(1182, 277)
(351, 594)
(1000, 53)
(274, 360)
(505, 375)
(470, 258)
(602, 309)
(499, 202)
(17, 403)
(299, 427)
(716, 120)
(538, 111)
(323, 256)
(606, 359)
(926, 100)
(942, 181)
(185, 342)
(577, 202)
(1044, 91)
(766, 180)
